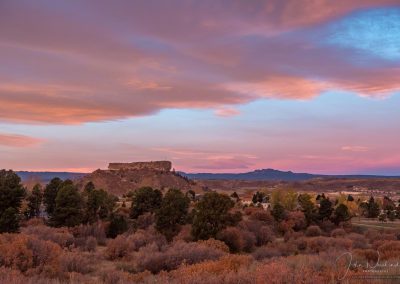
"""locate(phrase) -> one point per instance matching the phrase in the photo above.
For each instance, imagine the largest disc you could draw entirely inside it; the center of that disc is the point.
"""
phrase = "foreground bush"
(152, 259)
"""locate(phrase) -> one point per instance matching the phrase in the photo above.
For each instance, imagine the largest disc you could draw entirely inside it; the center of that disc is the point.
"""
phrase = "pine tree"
(68, 210)
(211, 215)
(11, 194)
(35, 201)
(172, 213)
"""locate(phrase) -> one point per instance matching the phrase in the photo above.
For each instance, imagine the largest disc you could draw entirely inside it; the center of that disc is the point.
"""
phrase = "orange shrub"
(216, 244)
(389, 250)
(75, 262)
(60, 236)
(152, 259)
(24, 252)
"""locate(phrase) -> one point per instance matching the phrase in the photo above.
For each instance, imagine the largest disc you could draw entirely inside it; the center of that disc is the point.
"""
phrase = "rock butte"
(162, 166)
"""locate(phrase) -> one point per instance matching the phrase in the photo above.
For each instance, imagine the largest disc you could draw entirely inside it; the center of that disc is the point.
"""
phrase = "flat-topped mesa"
(162, 166)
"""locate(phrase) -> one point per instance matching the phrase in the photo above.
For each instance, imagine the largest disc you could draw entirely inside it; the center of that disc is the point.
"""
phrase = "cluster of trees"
(209, 216)
(60, 201)
(64, 205)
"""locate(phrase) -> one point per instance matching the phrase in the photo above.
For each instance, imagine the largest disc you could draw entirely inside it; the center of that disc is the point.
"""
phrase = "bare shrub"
(151, 259)
(327, 226)
(60, 236)
(95, 230)
(313, 231)
(124, 245)
(117, 248)
(75, 262)
(262, 233)
(369, 255)
(389, 250)
(233, 238)
(24, 252)
(259, 214)
(338, 233)
(319, 244)
(359, 241)
(184, 234)
(216, 244)
(14, 252)
(266, 252)
(228, 269)
(298, 220)
(144, 221)
(142, 238)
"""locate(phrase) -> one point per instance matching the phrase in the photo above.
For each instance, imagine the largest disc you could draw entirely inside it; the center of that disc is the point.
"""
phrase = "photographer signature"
(368, 267)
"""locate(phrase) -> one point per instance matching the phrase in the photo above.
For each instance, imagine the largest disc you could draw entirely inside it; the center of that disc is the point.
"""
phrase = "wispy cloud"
(15, 140)
(355, 148)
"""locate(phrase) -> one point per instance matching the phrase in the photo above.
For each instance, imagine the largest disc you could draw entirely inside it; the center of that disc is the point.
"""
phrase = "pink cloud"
(355, 148)
(135, 59)
(226, 112)
(18, 141)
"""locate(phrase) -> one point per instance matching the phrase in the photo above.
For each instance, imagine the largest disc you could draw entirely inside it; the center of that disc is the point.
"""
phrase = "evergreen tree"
(99, 205)
(50, 194)
(35, 201)
(308, 208)
(278, 212)
(325, 209)
(145, 199)
(372, 208)
(68, 210)
(172, 213)
(118, 225)
(341, 214)
(11, 195)
(211, 215)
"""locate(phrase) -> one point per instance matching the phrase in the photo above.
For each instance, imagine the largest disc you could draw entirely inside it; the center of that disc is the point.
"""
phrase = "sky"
(213, 86)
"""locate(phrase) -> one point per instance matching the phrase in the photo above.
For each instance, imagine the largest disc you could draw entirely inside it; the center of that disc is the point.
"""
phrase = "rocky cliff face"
(119, 180)
(162, 166)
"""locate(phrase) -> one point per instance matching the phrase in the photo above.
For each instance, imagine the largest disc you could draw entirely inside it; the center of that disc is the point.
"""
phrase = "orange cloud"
(15, 140)
(132, 60)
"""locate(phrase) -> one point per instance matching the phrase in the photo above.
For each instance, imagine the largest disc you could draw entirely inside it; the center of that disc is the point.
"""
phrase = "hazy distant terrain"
(47, 176)
(257, 175)
(274, 175)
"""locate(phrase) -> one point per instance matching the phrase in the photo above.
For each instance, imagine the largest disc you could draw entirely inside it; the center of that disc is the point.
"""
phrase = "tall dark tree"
(278, 212)
(308, 208)
(35, 201)
(325, 209)
(118, 225)
(211, 215)
(172, 213)
(11, 194)
(341, 214)
(373, 209)
(99, 205)
(68, 211)
(145, 199)
(50, 194)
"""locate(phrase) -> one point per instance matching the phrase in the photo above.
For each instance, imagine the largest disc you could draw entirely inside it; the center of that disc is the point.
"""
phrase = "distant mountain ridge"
(47, 176)
(272, 175)
(261, 175)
